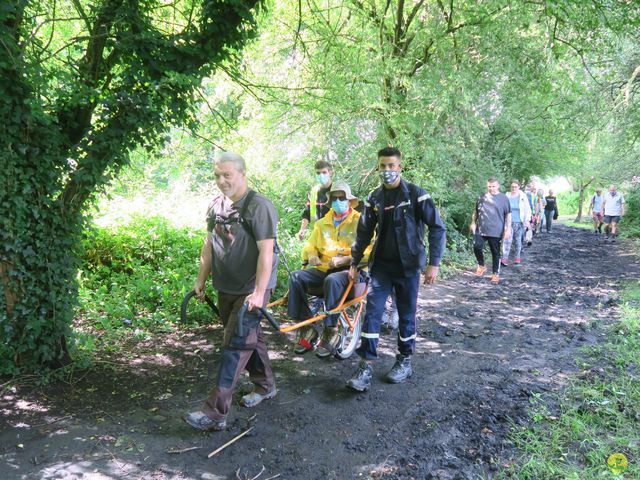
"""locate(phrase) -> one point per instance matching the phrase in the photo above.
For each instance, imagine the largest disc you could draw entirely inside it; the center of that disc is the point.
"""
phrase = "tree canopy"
(466, 89)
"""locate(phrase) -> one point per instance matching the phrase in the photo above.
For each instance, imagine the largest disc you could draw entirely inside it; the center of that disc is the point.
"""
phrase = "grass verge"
(599, 413)
(570, 222)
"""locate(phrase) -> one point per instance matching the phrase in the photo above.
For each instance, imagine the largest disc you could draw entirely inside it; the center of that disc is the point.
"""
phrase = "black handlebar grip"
(185, 301)
(274, 323)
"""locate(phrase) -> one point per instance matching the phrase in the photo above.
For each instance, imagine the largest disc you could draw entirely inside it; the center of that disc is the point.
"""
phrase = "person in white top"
(613, 211)
(520, 222)
(595, 208)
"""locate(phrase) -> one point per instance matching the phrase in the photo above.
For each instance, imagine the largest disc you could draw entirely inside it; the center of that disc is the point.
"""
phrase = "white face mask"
(323, 178)
(340, 206)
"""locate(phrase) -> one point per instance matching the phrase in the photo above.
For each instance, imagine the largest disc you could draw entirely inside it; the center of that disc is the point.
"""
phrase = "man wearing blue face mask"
(397, 213)
(317, 204)
(328, 255)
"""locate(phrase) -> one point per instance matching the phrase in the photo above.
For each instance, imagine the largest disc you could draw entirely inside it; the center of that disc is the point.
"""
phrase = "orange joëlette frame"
(341, 305)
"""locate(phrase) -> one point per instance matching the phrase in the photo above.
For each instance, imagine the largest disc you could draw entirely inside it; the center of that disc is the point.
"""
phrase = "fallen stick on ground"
(233, 440)
(182, 450)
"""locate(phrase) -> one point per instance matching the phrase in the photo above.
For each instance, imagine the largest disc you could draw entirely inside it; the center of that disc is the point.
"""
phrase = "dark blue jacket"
(409, 218)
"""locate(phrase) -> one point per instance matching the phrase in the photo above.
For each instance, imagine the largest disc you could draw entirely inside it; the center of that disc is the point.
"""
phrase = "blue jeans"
(384, 278)
(548, 216)
(333, 285)
(517, 238)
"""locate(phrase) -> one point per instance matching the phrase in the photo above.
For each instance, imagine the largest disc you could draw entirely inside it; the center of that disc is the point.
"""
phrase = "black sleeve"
(429, 214)
(306, 213)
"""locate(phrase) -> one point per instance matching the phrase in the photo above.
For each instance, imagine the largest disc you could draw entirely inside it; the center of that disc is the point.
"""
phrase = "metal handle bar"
(189, 296)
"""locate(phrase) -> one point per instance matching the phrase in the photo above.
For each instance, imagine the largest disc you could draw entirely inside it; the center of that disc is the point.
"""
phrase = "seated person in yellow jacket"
(328, 253)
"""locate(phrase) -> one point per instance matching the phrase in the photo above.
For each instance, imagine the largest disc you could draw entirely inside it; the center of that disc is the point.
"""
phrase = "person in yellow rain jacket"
(327, 254)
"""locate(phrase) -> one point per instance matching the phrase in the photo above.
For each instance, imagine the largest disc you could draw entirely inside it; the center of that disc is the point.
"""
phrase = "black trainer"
(401, 370)
(361, 382)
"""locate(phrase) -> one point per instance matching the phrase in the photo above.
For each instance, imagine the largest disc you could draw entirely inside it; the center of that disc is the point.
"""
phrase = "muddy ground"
(484, 351)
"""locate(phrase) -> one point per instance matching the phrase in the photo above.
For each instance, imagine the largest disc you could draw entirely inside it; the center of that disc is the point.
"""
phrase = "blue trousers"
(333, 285)
(517, 239)
(384, 278)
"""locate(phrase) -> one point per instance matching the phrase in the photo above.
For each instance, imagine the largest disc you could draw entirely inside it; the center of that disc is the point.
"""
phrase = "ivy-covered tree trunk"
(78, 96)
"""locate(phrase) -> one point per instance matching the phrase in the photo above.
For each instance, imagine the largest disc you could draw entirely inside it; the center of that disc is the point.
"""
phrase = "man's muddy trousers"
(239, 352)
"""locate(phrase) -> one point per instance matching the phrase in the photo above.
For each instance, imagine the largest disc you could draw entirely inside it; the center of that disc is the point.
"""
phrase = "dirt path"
(484, 351)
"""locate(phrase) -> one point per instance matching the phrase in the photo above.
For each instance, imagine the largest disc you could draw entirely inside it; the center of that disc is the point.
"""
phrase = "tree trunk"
(580, 202)
(582, 189)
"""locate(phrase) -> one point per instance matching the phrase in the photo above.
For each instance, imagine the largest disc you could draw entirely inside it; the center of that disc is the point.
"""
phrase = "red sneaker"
(517, 261)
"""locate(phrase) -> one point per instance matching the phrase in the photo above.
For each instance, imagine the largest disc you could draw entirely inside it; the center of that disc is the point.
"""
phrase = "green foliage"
(466, 90)
(83, 84)
(568, 202)
(137, 274)
(630, 225)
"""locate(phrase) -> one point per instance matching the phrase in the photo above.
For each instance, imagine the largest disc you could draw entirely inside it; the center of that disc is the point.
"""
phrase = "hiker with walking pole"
(238, 252)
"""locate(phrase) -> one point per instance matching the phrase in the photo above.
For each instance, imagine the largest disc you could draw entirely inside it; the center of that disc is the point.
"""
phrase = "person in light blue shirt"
(520, 221)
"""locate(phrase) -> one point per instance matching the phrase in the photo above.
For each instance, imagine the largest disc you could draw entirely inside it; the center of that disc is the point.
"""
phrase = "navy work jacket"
(413, 212)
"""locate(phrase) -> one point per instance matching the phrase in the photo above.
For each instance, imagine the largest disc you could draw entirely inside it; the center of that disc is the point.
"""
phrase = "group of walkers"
(387, 238)
(607, 209)
(506, 221)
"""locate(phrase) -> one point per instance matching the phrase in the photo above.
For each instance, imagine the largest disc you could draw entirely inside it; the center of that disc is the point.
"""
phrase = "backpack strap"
(413, 198)
(246, 225)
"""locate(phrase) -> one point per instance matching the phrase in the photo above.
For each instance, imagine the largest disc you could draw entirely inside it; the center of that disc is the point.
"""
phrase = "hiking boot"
(361, 382)
(495, 278)
(517, 262)
(254, 398)
(328, 343)
(308, 339)
(202, 422)
(504, 262)
(480, 270)
(390, 319)
(401, 370)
